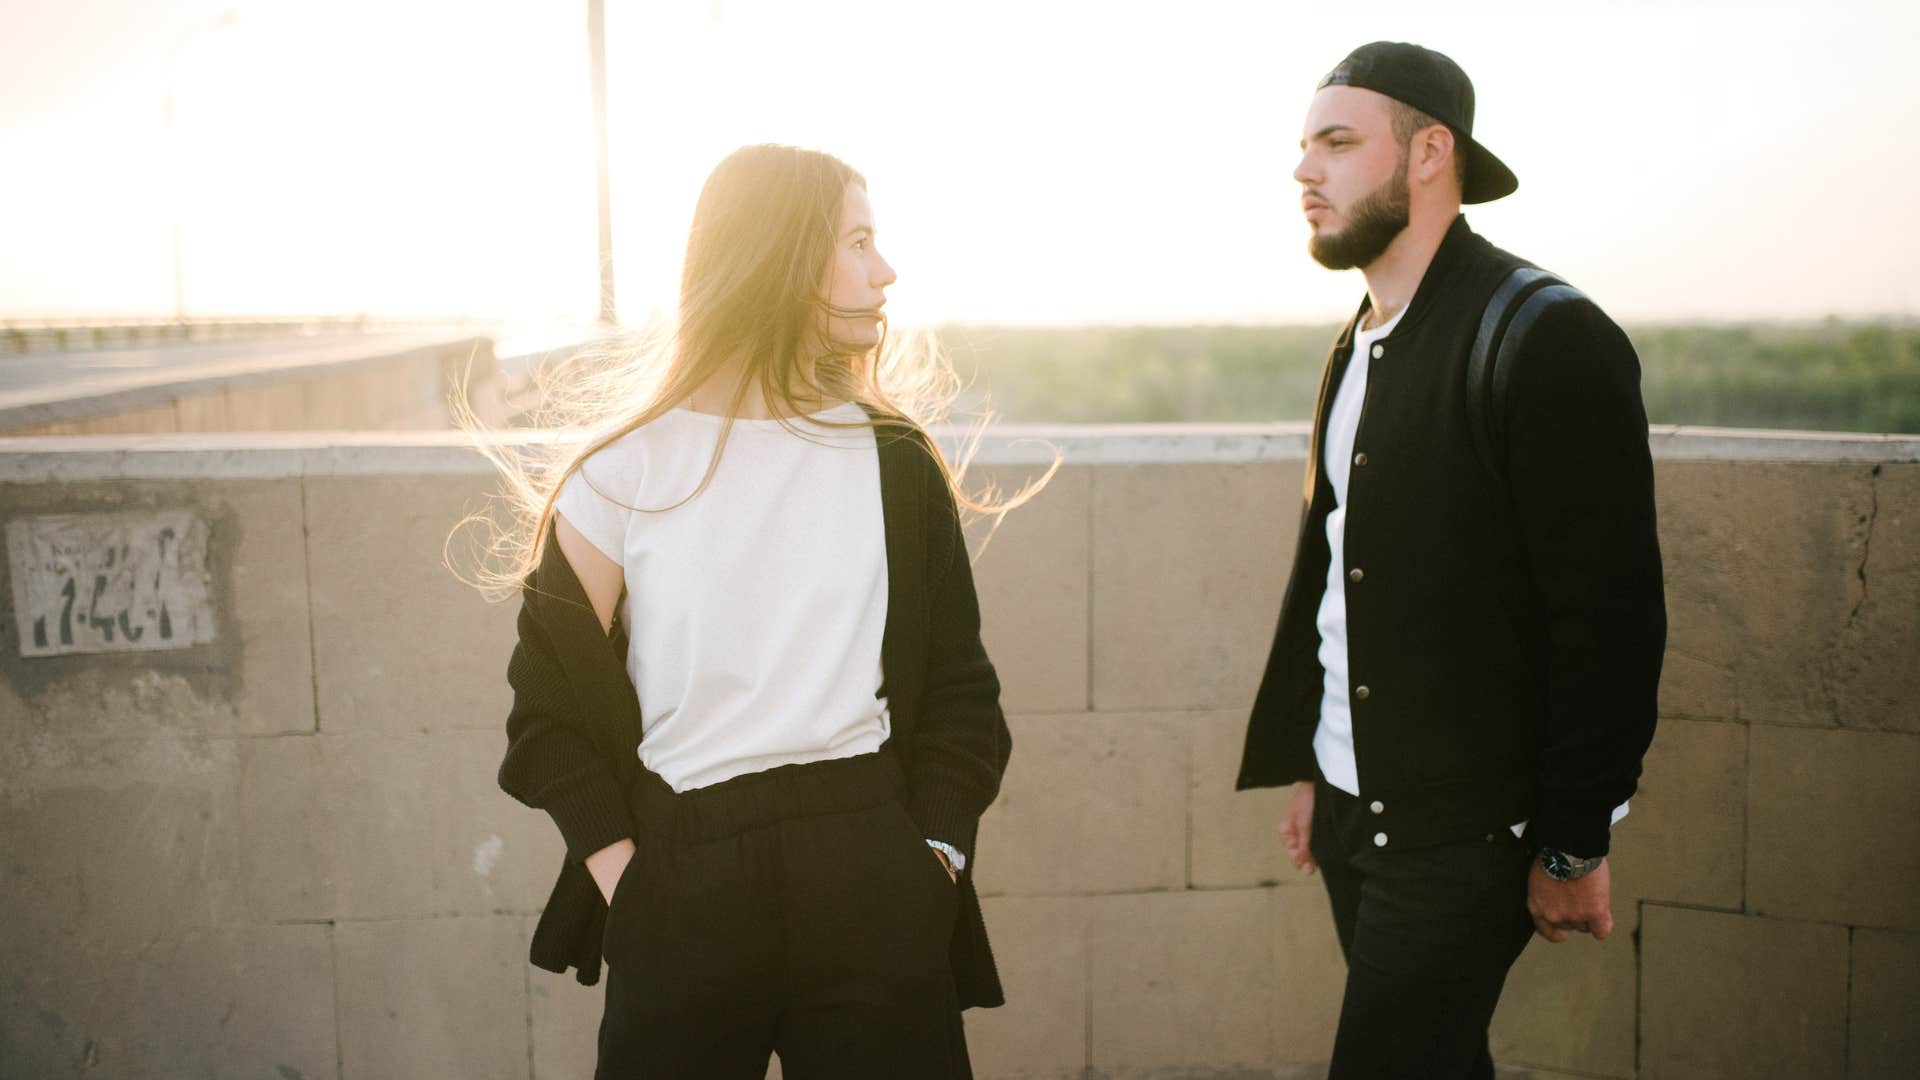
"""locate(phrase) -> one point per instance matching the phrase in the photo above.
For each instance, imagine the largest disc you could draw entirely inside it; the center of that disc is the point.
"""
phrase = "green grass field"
(1827, 376)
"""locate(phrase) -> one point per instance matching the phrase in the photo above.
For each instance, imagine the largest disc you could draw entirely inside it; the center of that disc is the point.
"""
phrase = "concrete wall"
(359, 384)
(282, 854)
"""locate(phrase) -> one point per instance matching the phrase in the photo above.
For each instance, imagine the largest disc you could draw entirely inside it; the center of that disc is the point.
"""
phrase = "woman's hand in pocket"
(607, 864)
(945, 863)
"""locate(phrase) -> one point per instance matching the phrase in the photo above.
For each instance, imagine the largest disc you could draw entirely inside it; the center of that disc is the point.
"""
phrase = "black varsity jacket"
(574, 730)
(1504, 635)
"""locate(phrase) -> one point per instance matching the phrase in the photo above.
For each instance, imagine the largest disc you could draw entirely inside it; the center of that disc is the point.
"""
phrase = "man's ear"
(1433, 150)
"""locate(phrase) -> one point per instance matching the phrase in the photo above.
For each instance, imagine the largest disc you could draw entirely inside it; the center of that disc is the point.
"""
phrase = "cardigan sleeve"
(1581, 479)
(550, 764)
(962, 743)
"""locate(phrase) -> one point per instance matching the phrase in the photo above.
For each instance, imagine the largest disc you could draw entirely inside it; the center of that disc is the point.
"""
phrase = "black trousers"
(795, 911)
(1429, 934)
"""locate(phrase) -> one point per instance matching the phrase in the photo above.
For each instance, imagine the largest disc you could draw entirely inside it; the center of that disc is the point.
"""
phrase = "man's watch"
(1561, 866)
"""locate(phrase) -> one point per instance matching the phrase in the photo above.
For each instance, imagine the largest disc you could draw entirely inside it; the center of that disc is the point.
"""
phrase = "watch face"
(1563, 867)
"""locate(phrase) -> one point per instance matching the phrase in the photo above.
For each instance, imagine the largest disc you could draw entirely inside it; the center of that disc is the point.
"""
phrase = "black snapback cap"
(1434, 84)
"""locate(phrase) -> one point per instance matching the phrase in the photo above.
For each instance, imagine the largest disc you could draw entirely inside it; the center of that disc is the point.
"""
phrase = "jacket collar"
(1447, 260)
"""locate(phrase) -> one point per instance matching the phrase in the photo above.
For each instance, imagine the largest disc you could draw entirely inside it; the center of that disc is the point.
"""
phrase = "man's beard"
(1376, 219)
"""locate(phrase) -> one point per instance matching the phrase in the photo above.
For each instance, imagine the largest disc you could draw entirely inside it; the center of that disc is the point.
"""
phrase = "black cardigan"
(574, 730)
(1508, 634)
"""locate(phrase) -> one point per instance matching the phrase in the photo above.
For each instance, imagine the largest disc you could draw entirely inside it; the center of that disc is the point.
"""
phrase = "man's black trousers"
(1429, 934)
(795, 911)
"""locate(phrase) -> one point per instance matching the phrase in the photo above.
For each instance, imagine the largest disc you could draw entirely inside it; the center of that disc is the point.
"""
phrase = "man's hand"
(1296, 827)
(945, 863)
(1581, 905)
(607, 864)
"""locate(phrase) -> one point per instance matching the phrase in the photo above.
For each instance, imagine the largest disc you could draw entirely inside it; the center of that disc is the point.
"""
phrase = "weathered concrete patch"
(1873, 665)
(88, 583)
(251, 675)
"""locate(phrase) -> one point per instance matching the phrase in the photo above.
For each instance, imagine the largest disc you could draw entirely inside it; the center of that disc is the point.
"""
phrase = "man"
(1463, 680)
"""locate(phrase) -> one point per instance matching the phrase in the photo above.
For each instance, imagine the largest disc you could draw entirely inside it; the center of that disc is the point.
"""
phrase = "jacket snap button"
(1362, 693)
(1379, 839)
(1379, 351)
(1356, 575)
(1377, 807)
(1360, 459)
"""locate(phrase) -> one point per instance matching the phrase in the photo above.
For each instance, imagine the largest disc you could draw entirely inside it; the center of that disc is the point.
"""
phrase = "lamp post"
(179, 273)
(597, 58)
(225, 20)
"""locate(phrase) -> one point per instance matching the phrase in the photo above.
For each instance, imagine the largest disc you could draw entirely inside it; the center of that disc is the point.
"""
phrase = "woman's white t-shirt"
(755, 611)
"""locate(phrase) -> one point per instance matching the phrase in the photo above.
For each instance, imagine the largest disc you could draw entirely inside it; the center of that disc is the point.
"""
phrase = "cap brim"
(1488, 178)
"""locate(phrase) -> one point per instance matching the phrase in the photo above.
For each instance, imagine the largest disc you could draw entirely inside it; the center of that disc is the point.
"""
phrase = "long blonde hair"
(751, 300)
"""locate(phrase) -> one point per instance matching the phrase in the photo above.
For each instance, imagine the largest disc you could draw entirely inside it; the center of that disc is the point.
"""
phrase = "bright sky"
(1028, 161)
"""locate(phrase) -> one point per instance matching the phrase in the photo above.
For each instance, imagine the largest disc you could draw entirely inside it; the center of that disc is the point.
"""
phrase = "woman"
(770, 820)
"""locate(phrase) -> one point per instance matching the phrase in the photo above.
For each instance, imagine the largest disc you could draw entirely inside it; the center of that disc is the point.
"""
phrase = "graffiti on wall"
(113, 582)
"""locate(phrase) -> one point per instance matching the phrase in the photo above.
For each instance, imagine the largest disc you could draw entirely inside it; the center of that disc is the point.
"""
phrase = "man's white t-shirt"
(756, 610)
(1333, 738)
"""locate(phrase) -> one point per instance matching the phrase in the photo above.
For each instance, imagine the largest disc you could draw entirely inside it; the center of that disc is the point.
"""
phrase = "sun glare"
(1054, 163)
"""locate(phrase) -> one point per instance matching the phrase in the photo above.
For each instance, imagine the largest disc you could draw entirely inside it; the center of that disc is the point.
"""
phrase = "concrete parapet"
(1152, 953)
(254, 677)
(1042, 946)
(400, 645)
(235, 1001)
(431, 997)
(563, 1021)
(280, 851)
(1189, 564)
(1571, 1006)
(1090, 804)
(378, 382)
(1684, 838)
(1034, 576)
(1871, 663)
(1835, 829)
(1233, 835)
(1741, 997)
(1883, 999)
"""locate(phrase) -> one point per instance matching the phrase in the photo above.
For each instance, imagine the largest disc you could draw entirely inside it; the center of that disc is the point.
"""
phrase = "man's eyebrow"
(1328, 130)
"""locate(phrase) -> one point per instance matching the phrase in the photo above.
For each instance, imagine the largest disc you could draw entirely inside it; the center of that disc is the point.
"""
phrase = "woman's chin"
(862, 335)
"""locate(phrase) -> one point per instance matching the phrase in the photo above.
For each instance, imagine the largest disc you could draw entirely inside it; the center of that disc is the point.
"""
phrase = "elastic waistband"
(1435, 814)
(836, 786)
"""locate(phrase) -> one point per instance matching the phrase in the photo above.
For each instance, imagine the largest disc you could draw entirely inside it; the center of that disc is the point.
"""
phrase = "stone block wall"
(282, 853)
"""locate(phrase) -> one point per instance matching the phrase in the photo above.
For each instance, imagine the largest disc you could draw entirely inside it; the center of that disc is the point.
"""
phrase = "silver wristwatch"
(1561, 866)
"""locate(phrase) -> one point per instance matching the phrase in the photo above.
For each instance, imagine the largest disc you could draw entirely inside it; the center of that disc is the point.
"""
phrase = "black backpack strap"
(1534, 306)
(1514, 307)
